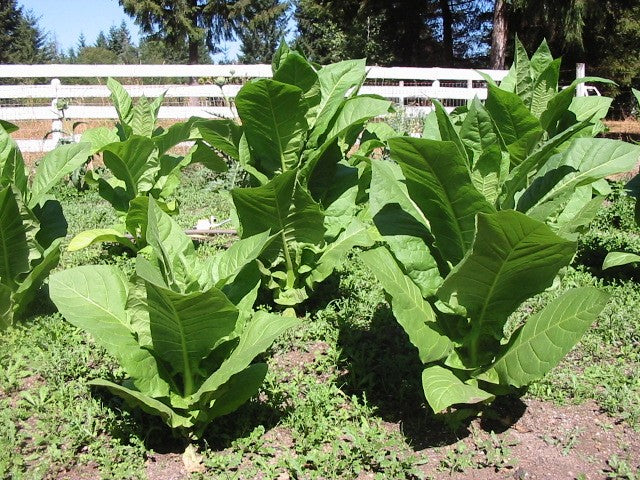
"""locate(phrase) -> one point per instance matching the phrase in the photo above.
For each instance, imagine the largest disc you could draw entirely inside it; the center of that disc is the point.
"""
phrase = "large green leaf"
(521, 174)
(242, 252)
(357, 234)
(443, 389)
(403, 226)
(560, 103)
(513, 258)
(594, 108)
(6, 310)
(296, 70)
(121, 100)
(335, 81)
(585, 161)
(282, 207)
(412, 312)
(143, 121)
(617, 259)
(477, 131)
(222, 135)
(273, 117)
(174, 249)
(14, 249)
(519, 129)
(545, 88)
(146, 403)
(355, 112)
(186, 328)
(439, 183)
(448, 132)
(99, 138)
(240, 388)
(523, 73)
(29, 287)
(131, 161)
(547, 336)
(53, 224)
(541, 59)
(54, 166)
(99, 235)
(258, 335)
(93, 298)
(12, 167)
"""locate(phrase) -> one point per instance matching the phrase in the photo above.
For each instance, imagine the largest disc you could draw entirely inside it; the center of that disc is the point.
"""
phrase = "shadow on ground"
(380, 363)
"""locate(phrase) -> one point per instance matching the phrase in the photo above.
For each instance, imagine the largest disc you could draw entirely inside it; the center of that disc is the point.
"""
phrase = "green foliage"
(137, 154)
(454, 294)
(480, 216)
(183, 21)
(394, 33)
(528, 147)
(32, 224)
(260, 26)
(297, 130)
(183, 330)
(23, 40)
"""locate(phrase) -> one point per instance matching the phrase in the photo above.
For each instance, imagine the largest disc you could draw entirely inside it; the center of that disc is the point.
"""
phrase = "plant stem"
(287, 257)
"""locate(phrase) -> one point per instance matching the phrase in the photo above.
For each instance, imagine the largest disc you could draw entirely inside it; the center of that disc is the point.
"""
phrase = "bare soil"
(547, 442)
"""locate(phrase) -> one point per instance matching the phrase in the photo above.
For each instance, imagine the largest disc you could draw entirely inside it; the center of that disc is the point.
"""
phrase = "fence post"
(581, 89)
(401, 96)
(56, 124)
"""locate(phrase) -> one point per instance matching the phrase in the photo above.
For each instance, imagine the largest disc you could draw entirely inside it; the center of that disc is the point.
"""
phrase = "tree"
(387, 32)
(466, 27)
(119, 42)
(21, 38)
(260, 26)
(499, 36)
(154, 51)
(96, 56)
(184, 21)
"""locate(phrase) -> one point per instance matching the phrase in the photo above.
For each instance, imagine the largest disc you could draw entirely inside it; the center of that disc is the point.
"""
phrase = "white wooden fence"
(410, 88)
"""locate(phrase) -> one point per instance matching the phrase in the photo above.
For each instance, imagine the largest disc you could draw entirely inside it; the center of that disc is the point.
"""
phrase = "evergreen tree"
(119, 42)
(387, 32)
(154, 51)
(184, 21)
(82, 41)
(101, 41)
(260, 27)
(21, 38)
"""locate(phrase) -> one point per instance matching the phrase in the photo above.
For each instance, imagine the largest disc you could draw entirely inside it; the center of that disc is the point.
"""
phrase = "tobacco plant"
(456, 269)
(183, 330)
(32, 224)
(528, 147)
(480, 216)
(137, 155)
(617, 259)
(298, 128)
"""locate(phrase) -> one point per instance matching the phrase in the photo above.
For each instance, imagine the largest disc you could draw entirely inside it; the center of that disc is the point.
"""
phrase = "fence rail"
(409, 87)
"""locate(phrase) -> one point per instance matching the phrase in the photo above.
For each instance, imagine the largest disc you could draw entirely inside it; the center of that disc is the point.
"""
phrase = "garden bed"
(342, 398)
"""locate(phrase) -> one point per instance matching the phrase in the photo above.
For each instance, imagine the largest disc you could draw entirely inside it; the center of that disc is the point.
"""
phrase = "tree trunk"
(447, 32)
(194, 51)
(499, 36)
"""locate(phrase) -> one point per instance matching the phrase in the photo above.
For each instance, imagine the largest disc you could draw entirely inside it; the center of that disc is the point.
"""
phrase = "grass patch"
(342, 398)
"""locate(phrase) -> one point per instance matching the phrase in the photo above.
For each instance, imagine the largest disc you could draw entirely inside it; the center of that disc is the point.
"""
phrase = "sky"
(65, 20)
